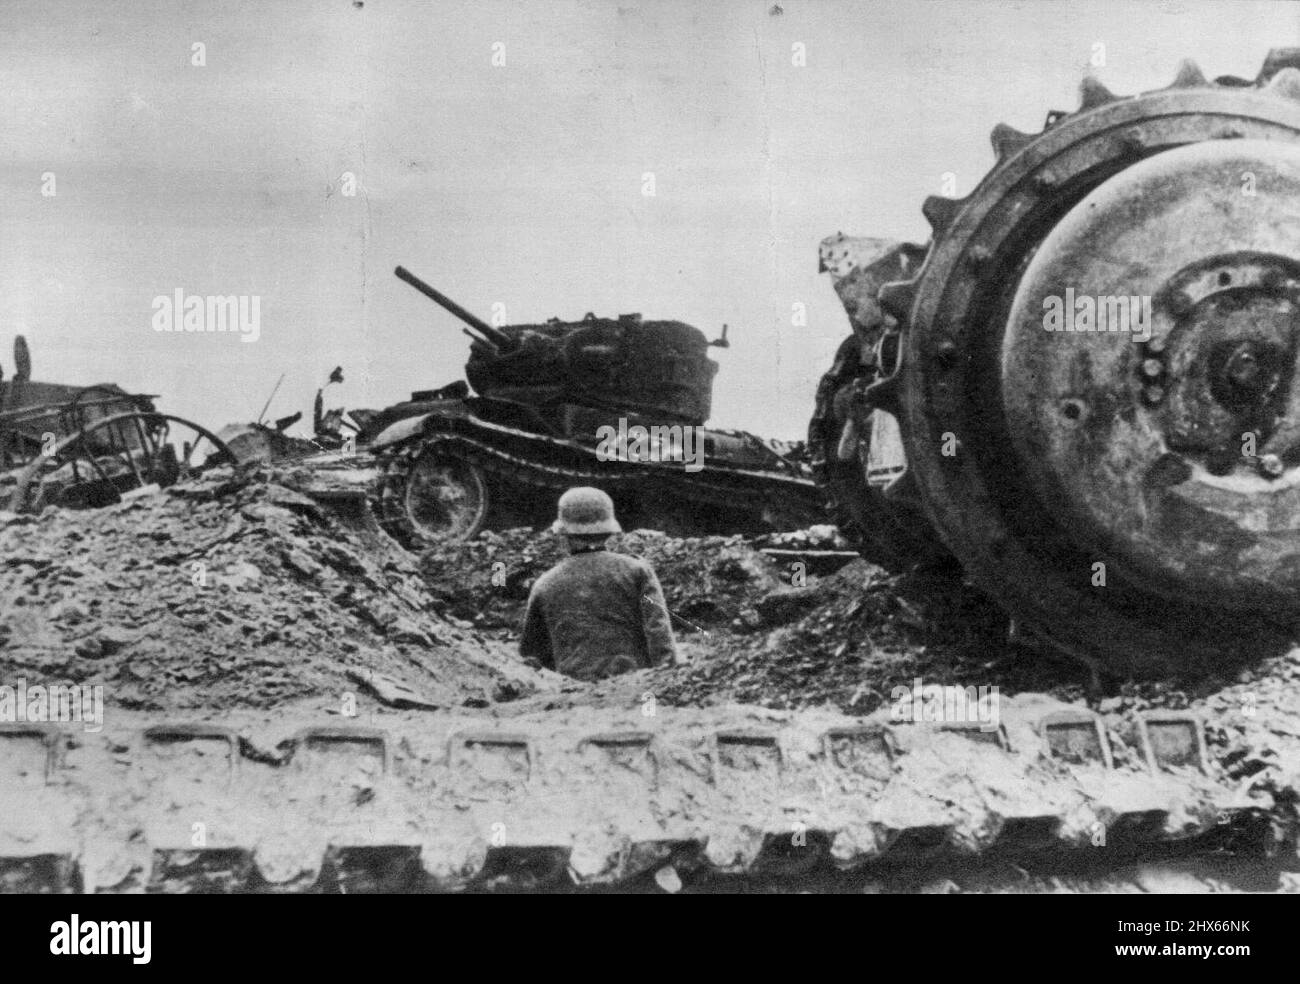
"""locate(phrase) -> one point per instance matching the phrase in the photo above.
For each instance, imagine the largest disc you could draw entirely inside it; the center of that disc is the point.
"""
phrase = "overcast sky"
(518, 184)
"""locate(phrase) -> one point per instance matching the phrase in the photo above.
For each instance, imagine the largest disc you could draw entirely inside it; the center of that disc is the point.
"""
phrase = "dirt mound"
(226, 595)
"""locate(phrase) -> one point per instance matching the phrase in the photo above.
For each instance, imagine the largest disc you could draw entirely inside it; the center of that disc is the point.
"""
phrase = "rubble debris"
(260, 444)
(391, 692)
(707, 581)
(215, 596)
(763, 631)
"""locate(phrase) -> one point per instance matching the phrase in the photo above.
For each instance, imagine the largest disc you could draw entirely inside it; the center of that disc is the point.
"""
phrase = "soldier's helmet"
(586, 512)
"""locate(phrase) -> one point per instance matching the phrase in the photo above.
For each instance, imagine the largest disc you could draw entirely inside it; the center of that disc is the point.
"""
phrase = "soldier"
(596, 613)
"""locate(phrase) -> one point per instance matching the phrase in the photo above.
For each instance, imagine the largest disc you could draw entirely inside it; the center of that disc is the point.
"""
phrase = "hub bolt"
(1270, 466)
(1243, 368)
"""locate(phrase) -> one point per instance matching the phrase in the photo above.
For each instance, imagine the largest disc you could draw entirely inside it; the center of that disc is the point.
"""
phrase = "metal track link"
(603, 799)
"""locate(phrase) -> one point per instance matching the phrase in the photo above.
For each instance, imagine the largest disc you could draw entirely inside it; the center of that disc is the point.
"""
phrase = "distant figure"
(596, 614)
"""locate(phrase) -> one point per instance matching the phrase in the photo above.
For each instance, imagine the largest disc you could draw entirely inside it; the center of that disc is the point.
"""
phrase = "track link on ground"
(615, 800)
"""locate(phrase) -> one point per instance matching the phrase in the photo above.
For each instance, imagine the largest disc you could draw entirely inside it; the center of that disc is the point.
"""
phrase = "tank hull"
(693, 480)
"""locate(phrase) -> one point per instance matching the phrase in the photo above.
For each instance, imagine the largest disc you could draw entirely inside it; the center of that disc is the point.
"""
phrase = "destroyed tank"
(1122, 476)
(616, 403)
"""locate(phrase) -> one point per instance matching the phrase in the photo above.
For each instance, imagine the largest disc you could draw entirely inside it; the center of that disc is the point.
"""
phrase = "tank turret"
(658, 369)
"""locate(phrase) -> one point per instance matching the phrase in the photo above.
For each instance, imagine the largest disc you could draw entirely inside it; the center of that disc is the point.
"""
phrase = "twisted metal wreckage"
(88, 446)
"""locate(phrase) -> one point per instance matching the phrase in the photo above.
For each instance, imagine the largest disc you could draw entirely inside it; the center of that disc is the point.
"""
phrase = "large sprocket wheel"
(433, 496)
(1138, 504)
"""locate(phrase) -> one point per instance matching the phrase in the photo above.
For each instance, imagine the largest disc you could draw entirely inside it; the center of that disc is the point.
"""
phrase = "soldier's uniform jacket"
(596, 614)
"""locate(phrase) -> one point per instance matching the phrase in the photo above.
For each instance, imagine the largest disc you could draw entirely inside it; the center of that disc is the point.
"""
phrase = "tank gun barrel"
(498, 339)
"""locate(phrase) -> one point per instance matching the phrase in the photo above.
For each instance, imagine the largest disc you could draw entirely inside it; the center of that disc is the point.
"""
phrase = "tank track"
(618, 800)
(750, 490)
(883, 533)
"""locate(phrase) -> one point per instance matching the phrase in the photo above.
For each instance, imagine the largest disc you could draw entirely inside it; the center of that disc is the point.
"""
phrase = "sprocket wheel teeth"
(939, 211)
(897, 297)
(1276, 61)
(1286, 83)
(1189, 76)
(914, 253)
(1093, 94)
(1008, 141)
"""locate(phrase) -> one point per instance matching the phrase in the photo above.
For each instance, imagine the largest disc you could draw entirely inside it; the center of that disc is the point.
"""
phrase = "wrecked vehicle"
(84, 447)
(1124, 481)
(554, 405)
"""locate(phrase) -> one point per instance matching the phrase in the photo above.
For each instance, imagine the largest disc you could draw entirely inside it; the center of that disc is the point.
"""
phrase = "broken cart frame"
(90, 450)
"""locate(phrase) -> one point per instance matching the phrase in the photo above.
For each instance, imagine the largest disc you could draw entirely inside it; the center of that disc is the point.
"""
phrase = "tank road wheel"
(436, 497)
(1132, 493)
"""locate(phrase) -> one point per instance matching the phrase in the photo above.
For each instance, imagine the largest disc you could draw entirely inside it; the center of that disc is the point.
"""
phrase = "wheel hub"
(445, 498)
(1148, 372)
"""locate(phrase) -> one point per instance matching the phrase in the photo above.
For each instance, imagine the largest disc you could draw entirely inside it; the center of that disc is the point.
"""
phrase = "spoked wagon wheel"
(113, 455)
